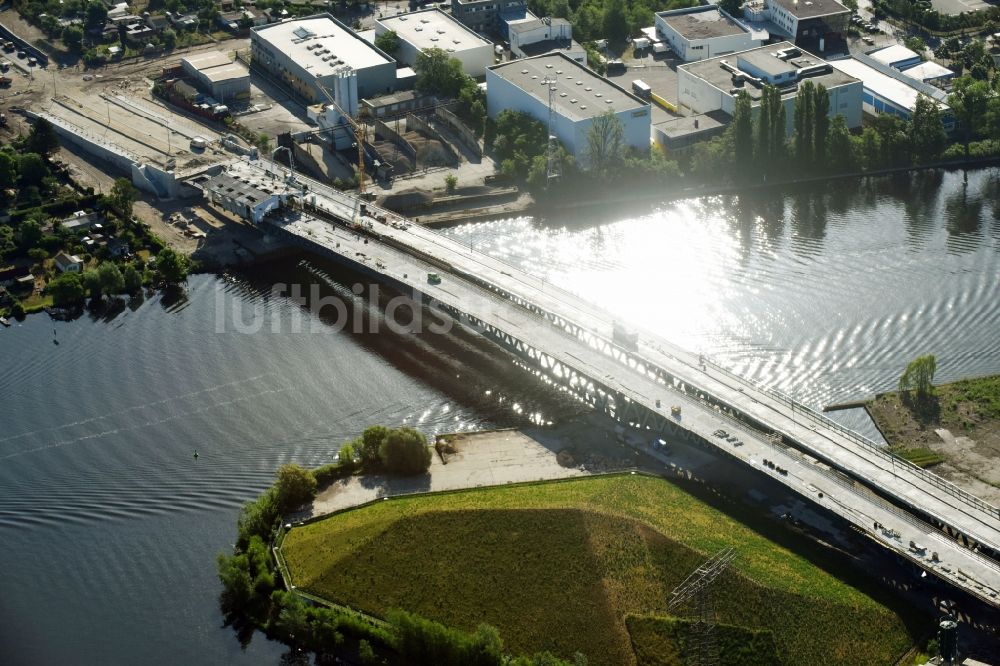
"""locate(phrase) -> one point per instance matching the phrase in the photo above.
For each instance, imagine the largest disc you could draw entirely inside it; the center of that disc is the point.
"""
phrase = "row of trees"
(70, 290)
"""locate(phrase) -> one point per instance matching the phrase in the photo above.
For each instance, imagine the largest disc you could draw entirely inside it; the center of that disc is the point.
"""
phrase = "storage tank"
(948, 639)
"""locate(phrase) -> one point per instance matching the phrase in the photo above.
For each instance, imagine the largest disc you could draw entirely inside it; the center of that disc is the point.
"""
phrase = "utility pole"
(552, 150)
(695, 594)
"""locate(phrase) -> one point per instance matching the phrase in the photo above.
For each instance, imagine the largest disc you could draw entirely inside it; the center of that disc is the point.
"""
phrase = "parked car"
(21, 54)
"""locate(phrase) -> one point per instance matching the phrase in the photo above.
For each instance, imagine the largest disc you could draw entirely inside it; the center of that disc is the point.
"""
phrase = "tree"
(122, 197)
(915, 43)
(366, 654)
(405, 451)
(31, 169)
(732, 7)
(172, 266)
(804, 123)
(743, 134)
(66, 290)
(450, 183)
(840, 148)
(388, 42)
(72, 36)
(294, 486)
(821, 121)
(370, 445)
(437, 72)
(969, 102)
(605, 142)
(615, 22)
(110, 278)
(96, 14)
(29, 234)
(169, 38)
(132, 278)
(927, 135)
(919, 376)
(42, 139)
(8, 170)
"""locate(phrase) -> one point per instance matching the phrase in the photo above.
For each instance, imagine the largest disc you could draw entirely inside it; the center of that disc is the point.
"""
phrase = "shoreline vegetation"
(966, 412)
(571, 572)
(252, 597)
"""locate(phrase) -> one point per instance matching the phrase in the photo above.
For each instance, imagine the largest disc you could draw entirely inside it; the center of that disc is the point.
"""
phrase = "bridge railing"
(868, 444)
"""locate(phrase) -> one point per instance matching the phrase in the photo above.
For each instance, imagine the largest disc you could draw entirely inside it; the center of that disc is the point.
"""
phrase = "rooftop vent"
(583, 106)
(588, 88)
(548, 67)
(562, 94)
(558, 71)
(573, 101)
(524, 71)
(597, 95)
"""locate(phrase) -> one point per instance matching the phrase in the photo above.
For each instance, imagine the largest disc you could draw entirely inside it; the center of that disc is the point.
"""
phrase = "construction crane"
(359, 135)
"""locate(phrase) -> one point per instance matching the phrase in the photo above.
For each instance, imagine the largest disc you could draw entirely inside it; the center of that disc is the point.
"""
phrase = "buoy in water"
(195, 455)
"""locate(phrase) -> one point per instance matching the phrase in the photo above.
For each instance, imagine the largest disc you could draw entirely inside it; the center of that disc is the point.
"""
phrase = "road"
(909, 486)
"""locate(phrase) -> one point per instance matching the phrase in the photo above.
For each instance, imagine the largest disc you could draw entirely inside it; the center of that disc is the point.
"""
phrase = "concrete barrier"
(413, 122)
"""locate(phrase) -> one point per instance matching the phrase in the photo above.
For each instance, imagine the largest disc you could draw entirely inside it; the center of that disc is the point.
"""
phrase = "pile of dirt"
(406, 199)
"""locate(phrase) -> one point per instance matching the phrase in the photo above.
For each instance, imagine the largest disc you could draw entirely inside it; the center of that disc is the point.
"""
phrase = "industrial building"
(432, 28)
(888, 91)
(806, 22)
(318, 52)
(577, 95)
(712, 85)
(249, 200)
(698, 33)
(487, 16)
(677, 136)
(930, 72)
(537, 36)
(218, 75)
(896, 56)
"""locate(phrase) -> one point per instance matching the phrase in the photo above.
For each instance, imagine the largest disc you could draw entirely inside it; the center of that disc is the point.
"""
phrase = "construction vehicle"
(359, 136)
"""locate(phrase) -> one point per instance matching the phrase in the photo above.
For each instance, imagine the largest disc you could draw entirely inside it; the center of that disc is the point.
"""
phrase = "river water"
(110, 525)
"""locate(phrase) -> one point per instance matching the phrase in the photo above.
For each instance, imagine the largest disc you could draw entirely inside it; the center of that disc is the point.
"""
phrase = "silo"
(948, 639)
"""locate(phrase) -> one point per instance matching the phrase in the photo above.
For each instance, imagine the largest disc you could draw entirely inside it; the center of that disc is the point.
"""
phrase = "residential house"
(69, 263)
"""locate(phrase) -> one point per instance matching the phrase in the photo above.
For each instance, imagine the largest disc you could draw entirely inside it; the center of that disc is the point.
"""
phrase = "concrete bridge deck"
(567, 336)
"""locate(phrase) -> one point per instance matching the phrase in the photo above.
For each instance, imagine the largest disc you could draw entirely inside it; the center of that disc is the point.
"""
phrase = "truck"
(660, 48)
(640, 43)
(5, 81)
(642, 89)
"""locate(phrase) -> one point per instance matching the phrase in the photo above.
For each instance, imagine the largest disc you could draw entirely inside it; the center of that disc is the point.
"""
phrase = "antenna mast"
(552, 150)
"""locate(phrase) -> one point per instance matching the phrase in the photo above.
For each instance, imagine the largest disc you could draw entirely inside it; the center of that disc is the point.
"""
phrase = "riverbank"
(958, 430)
(545, 207)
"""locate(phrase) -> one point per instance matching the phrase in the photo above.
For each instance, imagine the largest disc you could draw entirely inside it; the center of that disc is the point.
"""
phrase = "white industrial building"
(218, 75)
(712, 85)
(808, 22)
(432, 28)
(543, 35)
(578, 95)
(320, 51)
(896, 56)
(698, 33)
(930, 72)
(889, 91)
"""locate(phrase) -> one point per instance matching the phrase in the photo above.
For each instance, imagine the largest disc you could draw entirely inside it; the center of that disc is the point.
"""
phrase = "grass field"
(561, 566)
(663, 641)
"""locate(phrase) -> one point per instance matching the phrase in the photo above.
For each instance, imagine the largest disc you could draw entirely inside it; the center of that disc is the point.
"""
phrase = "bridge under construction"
(639, 378)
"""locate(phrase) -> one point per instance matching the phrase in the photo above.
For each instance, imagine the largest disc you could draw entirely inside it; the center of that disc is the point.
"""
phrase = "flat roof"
(535, 23)
(928, 70)
(894, 53)
(764, 58)
(883, 85)
(811, 8)
(702, 22)
(206, 60)
(232, 71)
(686, 125)
(321, 45)
(580, 93)
(432, 28)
